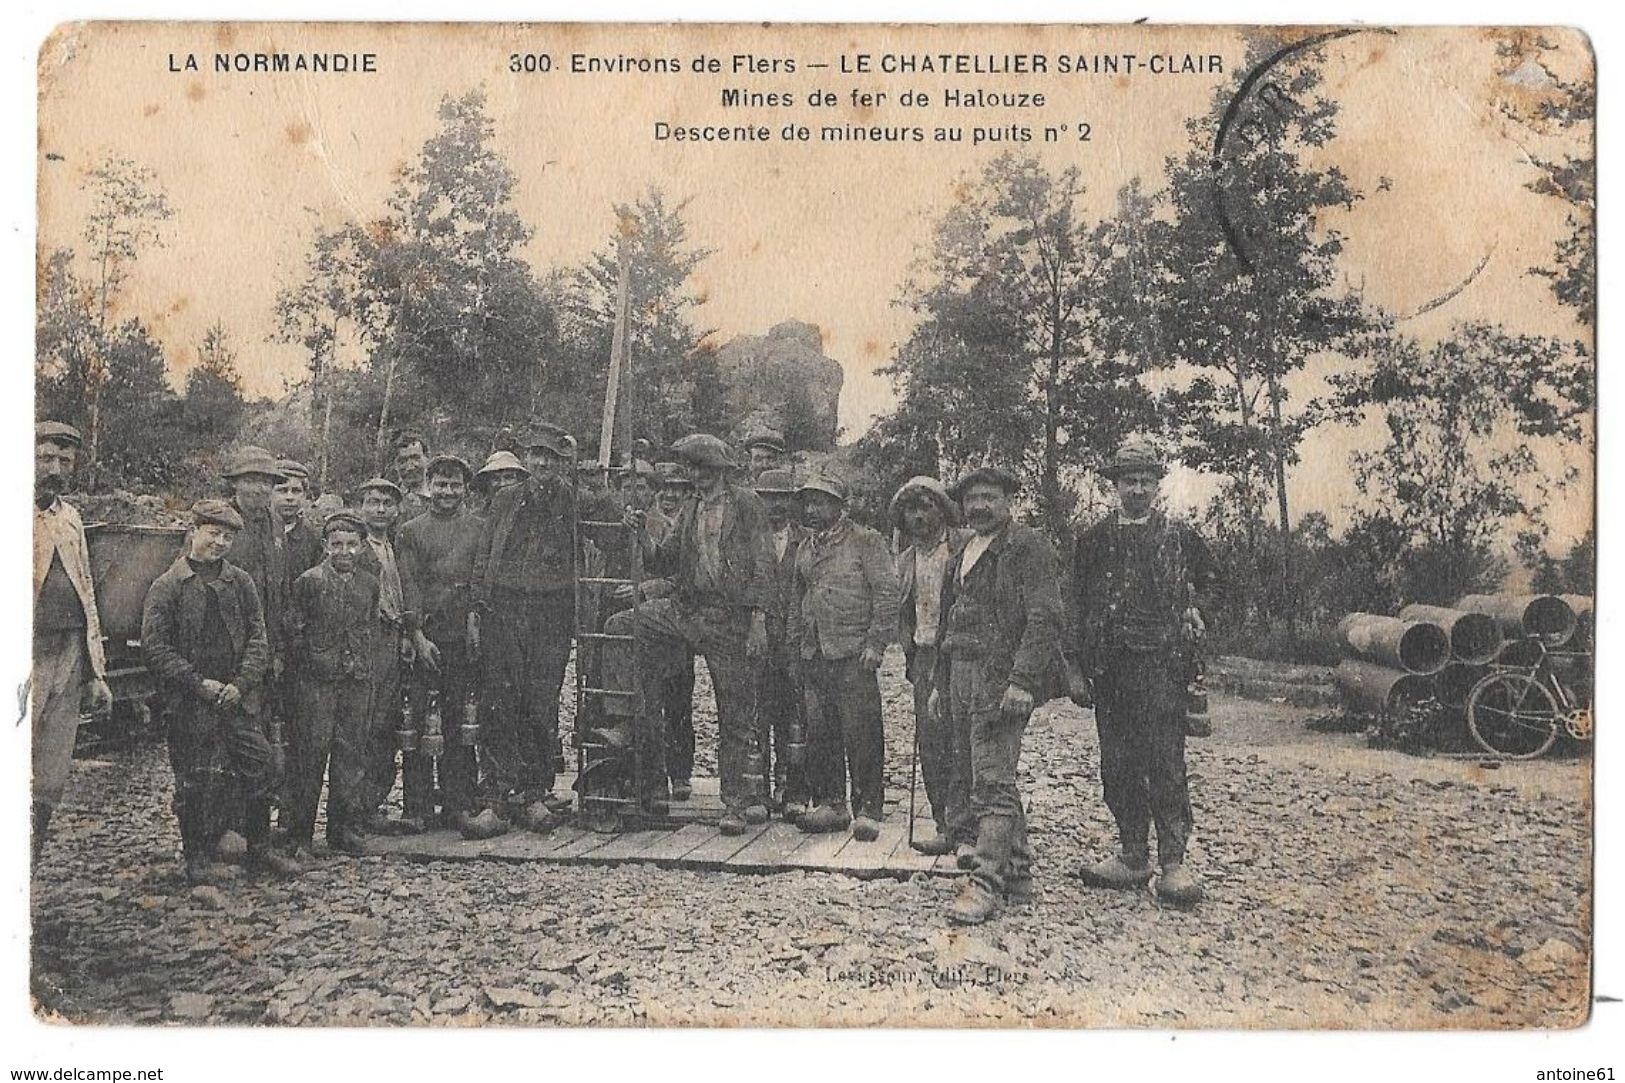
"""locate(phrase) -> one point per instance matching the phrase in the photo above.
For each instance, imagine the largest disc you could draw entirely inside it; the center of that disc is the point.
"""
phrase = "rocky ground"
(1347, 888)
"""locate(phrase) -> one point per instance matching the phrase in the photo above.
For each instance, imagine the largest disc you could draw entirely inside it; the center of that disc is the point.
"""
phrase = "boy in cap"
(779, 702)
(927, 519)
(436, 552)
(291, 500)
(68, 661)
(843, 613)
(1001, 634)
(766, 450)
(203, 639)
(333, 622)
(1140, 584)
(380, 511)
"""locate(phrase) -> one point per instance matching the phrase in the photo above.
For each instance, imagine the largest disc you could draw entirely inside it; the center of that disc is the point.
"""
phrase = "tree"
(1458, 470)
(213, 404)
(1024, 304)
(676, 385)
(127, 210)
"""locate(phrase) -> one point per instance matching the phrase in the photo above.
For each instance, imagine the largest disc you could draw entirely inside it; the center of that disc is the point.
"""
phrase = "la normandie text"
(278, 63)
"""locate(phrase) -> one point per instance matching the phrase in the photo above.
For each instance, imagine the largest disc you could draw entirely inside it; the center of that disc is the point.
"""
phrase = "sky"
(254, 163)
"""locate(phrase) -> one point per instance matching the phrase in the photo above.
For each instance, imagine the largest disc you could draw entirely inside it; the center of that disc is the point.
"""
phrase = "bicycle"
(1518, 710)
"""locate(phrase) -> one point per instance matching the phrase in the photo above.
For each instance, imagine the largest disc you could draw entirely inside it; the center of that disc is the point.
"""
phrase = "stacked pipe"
(1392, 661)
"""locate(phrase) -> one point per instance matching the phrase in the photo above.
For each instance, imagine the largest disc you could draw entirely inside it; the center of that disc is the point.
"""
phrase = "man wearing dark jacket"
(927, 518)
(1002, 639)
(380, 511)
(1140, 583)
(203, 639)
(713, 602)
(779, 705)
(291, 500)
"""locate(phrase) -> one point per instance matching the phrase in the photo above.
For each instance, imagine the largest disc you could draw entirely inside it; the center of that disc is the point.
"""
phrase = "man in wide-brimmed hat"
(68, 660)
(1001, 635)
(1141, 583)
(714, 602)
(843, 613)
(524, 605)
(927, 520)
(204, 642)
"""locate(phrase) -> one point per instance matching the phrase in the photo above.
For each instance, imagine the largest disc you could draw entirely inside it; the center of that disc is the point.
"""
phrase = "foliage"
(213, 406)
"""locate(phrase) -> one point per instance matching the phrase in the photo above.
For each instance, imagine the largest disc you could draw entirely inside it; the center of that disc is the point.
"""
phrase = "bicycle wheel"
(1513, 715)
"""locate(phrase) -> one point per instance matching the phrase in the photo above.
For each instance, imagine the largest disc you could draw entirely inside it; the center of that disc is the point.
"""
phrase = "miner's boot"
(1118, 872)
(975, 903)
(1178, 886)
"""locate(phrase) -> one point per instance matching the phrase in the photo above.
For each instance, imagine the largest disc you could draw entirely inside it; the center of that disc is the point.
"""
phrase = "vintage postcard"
(814, 526)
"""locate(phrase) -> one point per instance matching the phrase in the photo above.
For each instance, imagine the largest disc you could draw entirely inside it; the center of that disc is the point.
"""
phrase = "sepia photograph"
(797, 525)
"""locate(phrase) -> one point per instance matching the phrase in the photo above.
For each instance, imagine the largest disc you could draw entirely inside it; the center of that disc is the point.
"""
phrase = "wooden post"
(618, 366)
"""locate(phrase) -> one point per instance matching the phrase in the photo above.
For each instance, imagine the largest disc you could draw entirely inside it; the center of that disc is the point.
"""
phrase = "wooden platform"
(693, 842)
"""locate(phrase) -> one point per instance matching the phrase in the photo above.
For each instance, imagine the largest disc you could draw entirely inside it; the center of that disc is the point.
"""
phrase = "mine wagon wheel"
(1512, 715)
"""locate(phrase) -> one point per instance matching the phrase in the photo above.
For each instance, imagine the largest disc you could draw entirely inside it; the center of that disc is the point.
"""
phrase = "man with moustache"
(779, 704)
(436, 552)
(69, 665)
(678, 692)
(927, 519)
(411, 460)
(1001, 601)
(1141, 583)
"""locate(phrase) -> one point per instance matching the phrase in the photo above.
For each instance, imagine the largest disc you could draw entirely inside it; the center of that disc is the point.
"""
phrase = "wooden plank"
(675, 844)
(819, 851)
(871, 856)
(628, 843)
(584, 844)
(768, 850)
(716, 851)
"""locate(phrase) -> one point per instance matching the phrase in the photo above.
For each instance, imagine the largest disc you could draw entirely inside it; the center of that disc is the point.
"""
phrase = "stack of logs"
(1440, 653)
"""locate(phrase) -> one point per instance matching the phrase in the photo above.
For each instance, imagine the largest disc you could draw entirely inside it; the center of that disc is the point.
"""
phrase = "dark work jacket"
(436, 559)
(1184, 576)
(1007, 613)
(172, 631)
(525, 545)
(332, 622)
(782, 584)
(303, 546)
(261, 550)
(957, 537)
(746, 558)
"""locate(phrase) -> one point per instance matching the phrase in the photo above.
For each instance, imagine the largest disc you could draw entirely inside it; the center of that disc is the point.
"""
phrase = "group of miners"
(301, 640)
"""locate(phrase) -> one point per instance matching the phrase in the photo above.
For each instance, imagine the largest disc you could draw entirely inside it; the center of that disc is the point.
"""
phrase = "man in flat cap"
(410, 463)
(674, 489)
(1141, 583)
(332, 629)
(781, 713)
(927, 520)
(713, 602)
(1001, 636)
(524, 605)
(291, 499)
(68, 660)
(766, 450)
(380, 511)
(843, 613)
(436, 551)
(203, 638)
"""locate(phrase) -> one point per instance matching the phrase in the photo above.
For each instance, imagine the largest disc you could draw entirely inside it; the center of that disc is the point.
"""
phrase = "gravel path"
(1347, 888)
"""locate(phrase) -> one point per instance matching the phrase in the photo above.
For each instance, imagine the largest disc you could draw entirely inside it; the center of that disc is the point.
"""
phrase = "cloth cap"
(703, 449)
(60, 431)
(218, 512)
(672, 474)
(996, 476)
(292, 468)
(439, 463)
(771, 439)
(253, 460)
(383, 485)
(776, 481)
(343, 519)
(823, 483)
(554, 439)
(931, 489)
(1135, 453)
